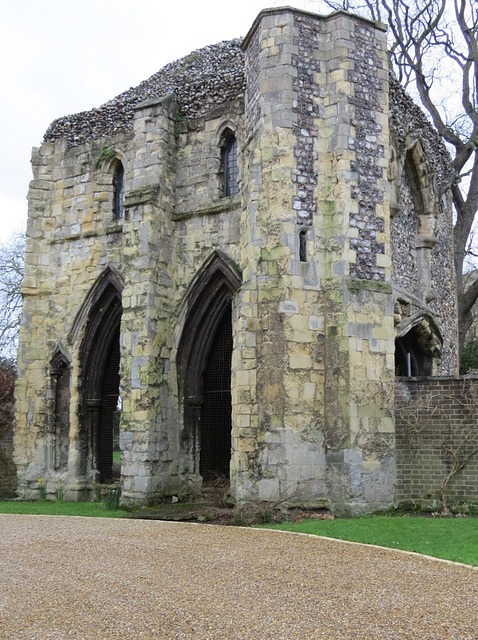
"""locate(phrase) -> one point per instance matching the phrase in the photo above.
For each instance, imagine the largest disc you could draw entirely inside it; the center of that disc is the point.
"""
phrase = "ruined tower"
(211, 283)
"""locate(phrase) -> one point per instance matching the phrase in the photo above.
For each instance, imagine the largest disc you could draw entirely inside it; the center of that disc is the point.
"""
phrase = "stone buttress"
(149, 453)
(314, 360)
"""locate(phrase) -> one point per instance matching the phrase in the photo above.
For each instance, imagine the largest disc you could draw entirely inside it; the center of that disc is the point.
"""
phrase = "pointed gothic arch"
(109, 278)
(204, 365)
(422, 178)
(99, 362)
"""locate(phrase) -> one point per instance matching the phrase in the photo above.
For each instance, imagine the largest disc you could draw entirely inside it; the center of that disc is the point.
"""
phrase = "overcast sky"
(59, 57)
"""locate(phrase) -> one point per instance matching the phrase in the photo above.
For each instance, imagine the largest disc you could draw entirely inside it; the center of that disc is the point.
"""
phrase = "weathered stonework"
(296, 281)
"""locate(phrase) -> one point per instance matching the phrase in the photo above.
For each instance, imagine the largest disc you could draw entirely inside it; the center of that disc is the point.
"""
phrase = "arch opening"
(230, 169)
(204, 359)
(100, 360)
(410, 359)
(417, 348)
(118, 189)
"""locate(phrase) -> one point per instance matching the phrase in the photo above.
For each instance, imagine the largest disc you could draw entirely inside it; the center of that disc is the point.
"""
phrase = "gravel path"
(101, 579)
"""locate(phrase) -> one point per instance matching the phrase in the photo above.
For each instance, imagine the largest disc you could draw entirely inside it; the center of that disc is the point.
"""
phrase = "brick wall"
(431, 414)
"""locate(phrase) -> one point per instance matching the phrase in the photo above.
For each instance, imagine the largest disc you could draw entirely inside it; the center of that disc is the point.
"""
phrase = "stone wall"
(71, 239)
(421, 227)
(429, 280)
(435, 418)
(174, 218)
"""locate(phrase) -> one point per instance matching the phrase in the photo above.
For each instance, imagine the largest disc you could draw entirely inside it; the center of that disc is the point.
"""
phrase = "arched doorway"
(100, 360)
(204, 360)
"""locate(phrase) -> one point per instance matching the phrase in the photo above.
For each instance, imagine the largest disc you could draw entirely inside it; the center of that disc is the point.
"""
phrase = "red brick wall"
(430, 413)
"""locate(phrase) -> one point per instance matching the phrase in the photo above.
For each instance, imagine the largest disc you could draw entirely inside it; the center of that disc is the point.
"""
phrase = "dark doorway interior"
(100, 359)
(109, 405)
(204, 358)
(410, 357)
(216, 409)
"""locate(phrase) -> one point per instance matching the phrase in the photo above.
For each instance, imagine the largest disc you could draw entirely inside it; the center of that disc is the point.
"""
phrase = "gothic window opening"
(118, 190)
(229, 165)
(410, 357)
(60, 381)
(420, 177)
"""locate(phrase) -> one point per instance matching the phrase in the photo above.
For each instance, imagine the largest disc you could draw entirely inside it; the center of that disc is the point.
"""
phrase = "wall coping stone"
(288, 9)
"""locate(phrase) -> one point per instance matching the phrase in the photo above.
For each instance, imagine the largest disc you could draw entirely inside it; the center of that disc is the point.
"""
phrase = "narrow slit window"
(303, 245)
(230, 168)
(118, 190)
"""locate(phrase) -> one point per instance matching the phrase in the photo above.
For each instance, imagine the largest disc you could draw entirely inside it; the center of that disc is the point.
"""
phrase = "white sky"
(59, 57)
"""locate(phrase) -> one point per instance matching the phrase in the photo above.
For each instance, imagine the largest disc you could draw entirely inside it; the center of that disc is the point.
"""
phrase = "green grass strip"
(49, 508)
(448, 538)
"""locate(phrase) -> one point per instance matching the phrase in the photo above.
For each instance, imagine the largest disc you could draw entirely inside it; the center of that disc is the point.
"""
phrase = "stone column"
(353, 222)
(277, 374)
(149, 435)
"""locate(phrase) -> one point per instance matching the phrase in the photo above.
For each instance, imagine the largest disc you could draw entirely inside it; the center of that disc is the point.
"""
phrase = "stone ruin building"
(227, 267)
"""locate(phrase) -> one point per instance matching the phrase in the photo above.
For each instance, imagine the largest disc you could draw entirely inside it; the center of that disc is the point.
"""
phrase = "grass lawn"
(449, 538)
(50, 508)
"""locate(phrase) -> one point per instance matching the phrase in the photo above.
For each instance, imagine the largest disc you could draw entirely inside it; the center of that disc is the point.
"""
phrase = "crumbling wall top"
(409, 123)
(205, 78)
(212, 76)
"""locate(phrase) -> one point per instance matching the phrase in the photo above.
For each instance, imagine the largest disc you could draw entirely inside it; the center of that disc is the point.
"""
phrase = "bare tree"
(7, 383)
(11, 274)
(7, 468)
(433, 42)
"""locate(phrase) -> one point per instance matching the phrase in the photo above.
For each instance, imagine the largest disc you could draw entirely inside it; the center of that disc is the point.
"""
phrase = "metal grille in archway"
(109, 402)
(216, 409)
